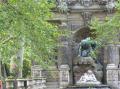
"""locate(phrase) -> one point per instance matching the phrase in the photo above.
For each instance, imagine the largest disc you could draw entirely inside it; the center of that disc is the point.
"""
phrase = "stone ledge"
(88, 87)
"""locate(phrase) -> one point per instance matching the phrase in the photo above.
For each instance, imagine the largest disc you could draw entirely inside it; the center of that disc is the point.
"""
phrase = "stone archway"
(82, 33)
(78, 68)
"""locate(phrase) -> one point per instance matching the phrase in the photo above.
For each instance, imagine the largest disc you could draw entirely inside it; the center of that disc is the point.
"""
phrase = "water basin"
(88, 87)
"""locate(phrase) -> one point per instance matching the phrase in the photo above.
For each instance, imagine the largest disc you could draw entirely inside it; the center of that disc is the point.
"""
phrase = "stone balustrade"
(21, 83)
(10, 83)
(64, 76)
(37, 83)
(113, 74)
(29, 83)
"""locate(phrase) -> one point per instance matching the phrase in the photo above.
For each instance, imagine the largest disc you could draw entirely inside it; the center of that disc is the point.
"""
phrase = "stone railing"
(113, 75)
(64, 76)
(38, 83)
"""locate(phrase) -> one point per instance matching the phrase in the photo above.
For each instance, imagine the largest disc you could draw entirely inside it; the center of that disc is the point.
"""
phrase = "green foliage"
(107, 32)
(26, 68)
(27, 19)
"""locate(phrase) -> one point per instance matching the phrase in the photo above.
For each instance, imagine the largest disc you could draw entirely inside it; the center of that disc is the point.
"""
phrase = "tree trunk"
(20, 57)
(0, 69)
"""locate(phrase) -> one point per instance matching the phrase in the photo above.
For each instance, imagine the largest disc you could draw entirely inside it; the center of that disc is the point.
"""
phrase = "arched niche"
(82, 33)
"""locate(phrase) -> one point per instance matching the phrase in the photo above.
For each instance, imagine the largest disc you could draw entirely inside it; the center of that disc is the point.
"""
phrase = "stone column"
(20, 83)
(10, 83)
(29, 84)
(112, 76)
(39, 82)
(64, 76)
(36, 71)
(119, 78)
(113, 51)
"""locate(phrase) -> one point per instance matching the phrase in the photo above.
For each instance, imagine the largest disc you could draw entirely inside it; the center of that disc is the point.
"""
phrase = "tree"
(24, 26)
(108, 32)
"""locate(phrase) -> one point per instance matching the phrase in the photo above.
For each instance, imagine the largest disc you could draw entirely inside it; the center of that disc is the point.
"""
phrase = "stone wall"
(76, 21)
(113, 76)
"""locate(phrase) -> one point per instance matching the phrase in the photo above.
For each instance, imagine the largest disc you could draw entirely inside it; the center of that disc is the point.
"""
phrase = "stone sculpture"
(86, 47)
(110, 6)
(88, 78)
(62, 5)
(86, 3)
(87, 56)
(86, 17)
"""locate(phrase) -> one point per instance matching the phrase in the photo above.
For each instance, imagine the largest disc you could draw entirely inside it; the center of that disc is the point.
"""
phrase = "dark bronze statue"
(86, 47)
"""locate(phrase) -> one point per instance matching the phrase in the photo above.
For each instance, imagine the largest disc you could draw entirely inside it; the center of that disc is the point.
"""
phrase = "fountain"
(87, 73)
(83, 70)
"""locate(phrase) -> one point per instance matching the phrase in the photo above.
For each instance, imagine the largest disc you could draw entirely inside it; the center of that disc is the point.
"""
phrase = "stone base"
(88, 87)
(88, 83)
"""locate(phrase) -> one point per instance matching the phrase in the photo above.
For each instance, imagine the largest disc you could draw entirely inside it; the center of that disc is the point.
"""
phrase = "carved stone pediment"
(110, 6)
(86, 17)
(86, 3)
(102, 2)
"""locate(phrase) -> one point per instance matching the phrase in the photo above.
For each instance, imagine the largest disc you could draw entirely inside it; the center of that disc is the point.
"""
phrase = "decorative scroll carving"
(88, 78)
(86, 3)
(63, 6)
(110, 6)
(102, 2)
(86, 17)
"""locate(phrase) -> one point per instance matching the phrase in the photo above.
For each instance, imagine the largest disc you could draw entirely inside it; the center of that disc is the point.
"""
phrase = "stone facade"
(64, 76)
(113, 74)
(76, 20)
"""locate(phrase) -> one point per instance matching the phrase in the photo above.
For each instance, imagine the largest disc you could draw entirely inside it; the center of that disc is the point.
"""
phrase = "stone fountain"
(80, 13)
(87, 73)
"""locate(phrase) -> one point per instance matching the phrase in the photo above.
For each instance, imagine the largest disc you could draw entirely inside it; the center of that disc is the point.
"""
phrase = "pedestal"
(64, 76)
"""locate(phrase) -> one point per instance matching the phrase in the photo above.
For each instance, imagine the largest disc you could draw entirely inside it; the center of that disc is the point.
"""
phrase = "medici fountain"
(78, 66)
(87, 70)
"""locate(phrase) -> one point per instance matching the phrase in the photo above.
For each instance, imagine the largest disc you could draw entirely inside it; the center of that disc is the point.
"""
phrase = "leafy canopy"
(27, 20)
(108, 32)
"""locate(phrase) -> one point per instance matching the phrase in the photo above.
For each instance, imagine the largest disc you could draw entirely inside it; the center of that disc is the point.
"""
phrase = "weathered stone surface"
(81, 13)
(83, 60)
(36, 71)
(64, 76)
(88, 79)
(112, 76)
(89, 87)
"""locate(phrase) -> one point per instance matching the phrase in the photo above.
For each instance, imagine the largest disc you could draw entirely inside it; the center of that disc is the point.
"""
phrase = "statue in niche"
(86, 3)
(86, 17)
(87, 52)
(87, 46)
(88, 78)
(62, 5)
(110, 6)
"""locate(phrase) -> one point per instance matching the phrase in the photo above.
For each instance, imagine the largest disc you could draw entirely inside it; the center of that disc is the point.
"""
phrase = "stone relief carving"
(86, 55)
(62, 5)
(102, 2)
(88, 78)
(86, 17)
(86, 3)
(110, 6)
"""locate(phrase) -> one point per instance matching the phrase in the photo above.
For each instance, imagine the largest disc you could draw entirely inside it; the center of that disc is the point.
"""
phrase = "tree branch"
(8, 39)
